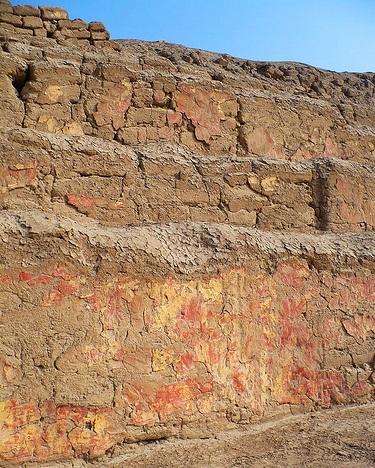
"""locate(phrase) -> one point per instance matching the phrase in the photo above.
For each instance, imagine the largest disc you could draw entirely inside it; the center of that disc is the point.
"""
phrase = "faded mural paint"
(175, 348)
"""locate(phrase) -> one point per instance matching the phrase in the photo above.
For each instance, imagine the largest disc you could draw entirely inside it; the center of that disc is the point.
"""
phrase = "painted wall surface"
(185, 239)
(90, 362)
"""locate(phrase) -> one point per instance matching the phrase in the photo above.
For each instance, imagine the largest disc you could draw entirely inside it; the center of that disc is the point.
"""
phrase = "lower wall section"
(88, 362)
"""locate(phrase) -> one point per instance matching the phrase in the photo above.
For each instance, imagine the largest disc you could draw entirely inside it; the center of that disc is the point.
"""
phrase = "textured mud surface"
(339, 437)
(187, 252)
(135, 338)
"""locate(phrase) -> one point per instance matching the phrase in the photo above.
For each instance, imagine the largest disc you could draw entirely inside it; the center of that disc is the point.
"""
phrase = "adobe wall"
(44, 21)
(116, 184)
(159, 92)
(126, 334)
(186, 239)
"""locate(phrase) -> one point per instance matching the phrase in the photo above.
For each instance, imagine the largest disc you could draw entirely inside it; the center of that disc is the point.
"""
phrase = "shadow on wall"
(321, 193)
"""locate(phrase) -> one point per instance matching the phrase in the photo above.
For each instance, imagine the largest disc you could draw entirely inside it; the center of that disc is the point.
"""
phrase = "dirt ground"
(339, 437)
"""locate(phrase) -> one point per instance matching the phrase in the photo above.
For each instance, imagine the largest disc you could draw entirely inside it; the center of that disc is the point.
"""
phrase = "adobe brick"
(32, 22)
(26, 10)
(40, 32)
(5, 7)
(96, 26)
(72, 24)
(52, 13)
(75, 33)
(49, 26)
(9, 18)
(99, 35)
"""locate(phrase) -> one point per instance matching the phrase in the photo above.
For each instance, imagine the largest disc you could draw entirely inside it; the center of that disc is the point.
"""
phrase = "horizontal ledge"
(182, 249)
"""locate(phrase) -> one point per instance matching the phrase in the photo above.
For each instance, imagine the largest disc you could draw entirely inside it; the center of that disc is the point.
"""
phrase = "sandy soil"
(339, 437)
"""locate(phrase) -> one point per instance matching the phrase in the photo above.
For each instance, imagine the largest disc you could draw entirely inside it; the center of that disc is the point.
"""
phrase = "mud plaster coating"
(186, 239)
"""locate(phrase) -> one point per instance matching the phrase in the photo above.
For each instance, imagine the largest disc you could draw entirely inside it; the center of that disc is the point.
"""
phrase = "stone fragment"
(114, 45)
(32, 22)
(243, 217)
(150, 116)
(60, 71)
(23, 50)
(113, 105)
(258, 141)
(40, 32)
(10, 32)
(99, 35)
(82, 203)
(131, 135)
(269, 185)
(72, 33)
(52, 94)
(72, 128)
(72, 24)
(9, 18)
(26, 10)
(6, 7)
(160, 98)
(96, 26)
(49, 26)
(52, 13)
(235, 179)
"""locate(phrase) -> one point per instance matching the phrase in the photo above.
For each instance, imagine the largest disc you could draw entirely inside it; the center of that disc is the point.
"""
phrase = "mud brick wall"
(116, 185)
(95, 355)
(45, 21)
(186, 239)
(135, 93)
(119, 99)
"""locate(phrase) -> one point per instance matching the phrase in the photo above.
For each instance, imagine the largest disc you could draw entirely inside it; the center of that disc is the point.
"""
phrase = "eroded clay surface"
(186, 250)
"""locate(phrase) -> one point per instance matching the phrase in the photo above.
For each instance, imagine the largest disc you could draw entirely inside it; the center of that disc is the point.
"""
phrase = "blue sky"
(333, 34)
